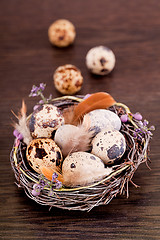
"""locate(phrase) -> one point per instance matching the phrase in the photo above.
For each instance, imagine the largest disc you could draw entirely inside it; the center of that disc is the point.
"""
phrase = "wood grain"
(132, 30)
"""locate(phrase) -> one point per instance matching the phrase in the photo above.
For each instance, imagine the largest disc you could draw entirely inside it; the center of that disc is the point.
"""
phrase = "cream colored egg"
(43, 152)
(100, 60)
(82, 168)
(102, 118)
(44, 120)
(109, 145)
(61, 33)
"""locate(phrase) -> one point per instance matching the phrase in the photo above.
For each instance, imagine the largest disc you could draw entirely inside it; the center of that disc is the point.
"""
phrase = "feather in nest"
(75, 138)
(22, 126)
(99, 100)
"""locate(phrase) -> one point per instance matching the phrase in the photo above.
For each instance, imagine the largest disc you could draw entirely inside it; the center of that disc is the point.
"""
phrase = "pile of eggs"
(79, 168)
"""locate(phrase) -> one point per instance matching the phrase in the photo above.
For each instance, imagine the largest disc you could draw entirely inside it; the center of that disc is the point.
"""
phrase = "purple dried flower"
(35, 107)
(124, 118)
(54, 176)
(20, 136)
(34, 89)
(35, 193)
(42, 183)
(58, 184)
(42, 86)
(135, 134)
(37, 186)
(38, 91)
(137, 130)
(36, 189)
(15, 133)
(152, 128)
(41, 102)
(137, 116)
(149, 132)
(145, 122)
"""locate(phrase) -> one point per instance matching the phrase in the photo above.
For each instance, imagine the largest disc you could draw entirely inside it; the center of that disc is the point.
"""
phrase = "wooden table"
(132, 30)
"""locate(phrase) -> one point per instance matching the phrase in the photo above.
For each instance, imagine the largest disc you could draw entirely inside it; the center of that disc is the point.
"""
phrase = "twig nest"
(82, 168)
(101, 119)
(109, 145)
(68, 79)
(61, 33)
(43, 152)
(44, 120)
(100, 60)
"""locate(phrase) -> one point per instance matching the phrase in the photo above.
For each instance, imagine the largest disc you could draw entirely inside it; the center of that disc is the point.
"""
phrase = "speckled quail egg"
(109, 145)
(101, 119)
(100, 60)
(61, 33)
(44, 120)
(82, 168)
(68, 79)
(43, 151)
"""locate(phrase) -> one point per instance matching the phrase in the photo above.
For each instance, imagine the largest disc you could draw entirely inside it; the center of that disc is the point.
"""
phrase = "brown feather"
(68, 114)
(99, 100)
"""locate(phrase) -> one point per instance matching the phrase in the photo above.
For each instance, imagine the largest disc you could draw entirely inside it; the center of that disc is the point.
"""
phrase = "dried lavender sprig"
(38, 91)
(44, 183)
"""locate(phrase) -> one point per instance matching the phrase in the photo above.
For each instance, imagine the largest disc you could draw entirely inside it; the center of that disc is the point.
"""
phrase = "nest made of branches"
(99, 193)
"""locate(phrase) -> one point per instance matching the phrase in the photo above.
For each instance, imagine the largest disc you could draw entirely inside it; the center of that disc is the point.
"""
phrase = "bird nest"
(99, 193)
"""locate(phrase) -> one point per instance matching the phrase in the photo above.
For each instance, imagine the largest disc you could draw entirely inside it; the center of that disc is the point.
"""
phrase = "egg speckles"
(101, 119)
(109, 145)
(82, 168)
(43, 151)
(45, 120)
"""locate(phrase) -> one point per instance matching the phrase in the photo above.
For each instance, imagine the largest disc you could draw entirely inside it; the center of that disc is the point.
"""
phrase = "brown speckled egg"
(68, 79)
(82, 168)
(43, 151)
(109, 145)
(45, 120)
(61, 33)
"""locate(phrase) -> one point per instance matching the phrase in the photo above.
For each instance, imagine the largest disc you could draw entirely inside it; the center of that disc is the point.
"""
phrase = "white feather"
(72, 138)
(22, 126)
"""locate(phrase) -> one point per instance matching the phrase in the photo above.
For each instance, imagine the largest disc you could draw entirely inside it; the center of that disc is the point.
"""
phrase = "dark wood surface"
(132, 30)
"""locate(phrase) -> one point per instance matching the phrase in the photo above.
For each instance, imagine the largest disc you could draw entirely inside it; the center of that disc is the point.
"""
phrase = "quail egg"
(101, 119)
(109, 145)
(100, 60)
(43, 151)
(61, 33)
(44, 120)
(82, 168)
(68, 79)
